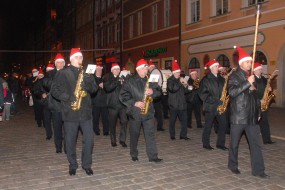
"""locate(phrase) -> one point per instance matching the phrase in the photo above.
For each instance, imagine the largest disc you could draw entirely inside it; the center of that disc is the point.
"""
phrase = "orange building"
(210, 29)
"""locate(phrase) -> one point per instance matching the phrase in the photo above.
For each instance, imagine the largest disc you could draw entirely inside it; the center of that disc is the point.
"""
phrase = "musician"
(157, 103)
(63, 89)
(54, 104)
(210, 92)
(245, 113)
(131, 95)
(112, 85)
(99, 101)
(260, 85)
(193, 100)
(177, 88)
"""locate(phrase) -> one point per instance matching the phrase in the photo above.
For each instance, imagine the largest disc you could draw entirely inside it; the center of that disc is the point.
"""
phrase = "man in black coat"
(193, 100)
(260, 85)
(177, 88)
(245, 113)
(99, 101)
(112, 85)
(63, 89)
(210, 92)
(132, 95)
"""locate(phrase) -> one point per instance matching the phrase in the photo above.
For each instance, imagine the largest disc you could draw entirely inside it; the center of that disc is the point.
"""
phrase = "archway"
(280, 98)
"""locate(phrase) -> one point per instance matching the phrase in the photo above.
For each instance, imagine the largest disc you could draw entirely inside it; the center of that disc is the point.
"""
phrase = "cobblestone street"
(28, 161)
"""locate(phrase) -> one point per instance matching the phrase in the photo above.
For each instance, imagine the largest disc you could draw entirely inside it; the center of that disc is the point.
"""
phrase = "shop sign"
(153, 52)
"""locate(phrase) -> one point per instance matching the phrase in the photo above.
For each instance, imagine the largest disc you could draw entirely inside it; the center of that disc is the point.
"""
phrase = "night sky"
(18, 18)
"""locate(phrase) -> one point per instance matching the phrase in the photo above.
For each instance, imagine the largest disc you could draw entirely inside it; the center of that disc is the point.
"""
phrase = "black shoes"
(189, 126)
(106, 133)
(222, 147)
(135, 159)
(161, 129)
(97, 133)
(185, 138)
(58, 151)
(156, 160)
(269, 142)
(123, 144)
(200, 126)
(264, 176)
(88, 171)
(208, 147)
(48, 137)
(113, 144)
(235, 171)
(172, 138)
(72, 171)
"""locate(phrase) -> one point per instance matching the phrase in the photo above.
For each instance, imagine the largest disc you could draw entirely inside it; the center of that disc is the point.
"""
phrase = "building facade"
(210, 29)
(150, 31)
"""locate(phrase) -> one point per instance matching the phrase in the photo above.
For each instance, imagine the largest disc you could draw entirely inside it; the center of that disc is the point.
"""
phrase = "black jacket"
(63, 88)
(1, 93)
(132, 92)
(245, 106)
(99, 99)
(210, 91)
(112, 88)
(37, 92)
(260, 85)
(193, 96)
(176, 94)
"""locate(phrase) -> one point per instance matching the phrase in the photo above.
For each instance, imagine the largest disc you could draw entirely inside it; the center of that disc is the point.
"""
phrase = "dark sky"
(18, 18)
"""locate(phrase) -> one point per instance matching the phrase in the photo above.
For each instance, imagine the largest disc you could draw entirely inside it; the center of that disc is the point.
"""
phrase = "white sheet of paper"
(91, 69)
(153, 78)
(124, 73)
(35, 74)
(186, 78)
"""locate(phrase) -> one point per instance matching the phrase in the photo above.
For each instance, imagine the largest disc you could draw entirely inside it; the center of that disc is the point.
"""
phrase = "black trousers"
(113, 115)
(39, 114)
(47, 121)
(196, 107)
(182, 115)
(264, 127)
(149, 135)
(209, 119)
(103, 112)
(71, 131)
(164, 100)
(157, 104)
(57, 129)
(252, 133)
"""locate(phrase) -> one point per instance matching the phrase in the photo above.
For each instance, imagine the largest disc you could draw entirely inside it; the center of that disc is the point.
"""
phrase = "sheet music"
(91, 69)
(153, 78)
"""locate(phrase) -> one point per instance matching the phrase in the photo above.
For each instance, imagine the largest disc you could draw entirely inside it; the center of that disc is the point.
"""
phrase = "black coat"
(132, 92)
(112, 87)
(63, 88)
(193, 96)
(176, 94)
(99, 99)
(260, 85)
(245, 106)
(1, 93)
(37, 92)
(210, 91)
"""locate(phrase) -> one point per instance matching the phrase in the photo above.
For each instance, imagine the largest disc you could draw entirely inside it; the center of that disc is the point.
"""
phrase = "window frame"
(154, 17)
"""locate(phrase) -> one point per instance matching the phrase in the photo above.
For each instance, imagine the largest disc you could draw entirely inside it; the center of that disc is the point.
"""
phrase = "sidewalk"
(28, 161)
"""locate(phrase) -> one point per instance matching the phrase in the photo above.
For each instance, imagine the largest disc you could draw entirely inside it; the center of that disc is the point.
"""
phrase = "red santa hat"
(34, 69)
(41, 73)
(193, 71)
(115, 66)
(141, 63)
(150, 63)
(220, 67)
(49, 67)
(175, 67)
(124, 68)
(243, 56)
(257, 66)
(75, 52)
(212, 63)
(58, 57)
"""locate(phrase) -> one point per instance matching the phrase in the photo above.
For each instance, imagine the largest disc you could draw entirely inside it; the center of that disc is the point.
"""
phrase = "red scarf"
(5, 92)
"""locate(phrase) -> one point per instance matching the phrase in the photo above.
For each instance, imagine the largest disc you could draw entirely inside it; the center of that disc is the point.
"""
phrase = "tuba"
(268, 95)
(79, 93)
(224, 97)
(146, 99)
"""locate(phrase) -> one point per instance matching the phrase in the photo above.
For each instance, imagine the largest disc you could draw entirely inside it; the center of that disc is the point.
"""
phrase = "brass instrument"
(268, 95)
(146, 99)
(196, 83)
(79, 93)
(224, 97)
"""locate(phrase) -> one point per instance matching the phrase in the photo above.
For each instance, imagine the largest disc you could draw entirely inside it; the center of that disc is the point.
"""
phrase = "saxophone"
(224, 97)
(78, 93)
(146, 99)
(268, 95)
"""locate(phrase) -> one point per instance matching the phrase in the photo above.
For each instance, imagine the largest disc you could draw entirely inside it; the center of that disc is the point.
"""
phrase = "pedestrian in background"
(8, 100)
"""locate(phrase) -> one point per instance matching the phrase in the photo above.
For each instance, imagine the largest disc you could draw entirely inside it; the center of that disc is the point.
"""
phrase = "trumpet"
(196, 83)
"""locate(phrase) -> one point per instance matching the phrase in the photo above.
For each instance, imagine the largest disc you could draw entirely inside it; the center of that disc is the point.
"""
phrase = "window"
(140, 23)
(221, 7)
(193, 7)
(224, 60)
(254, 2)
(96, 7)
(154, 17)
(166, 13)
(103, 5)
(131, 29)
(194, 63)
(261, 58)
